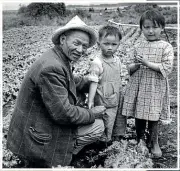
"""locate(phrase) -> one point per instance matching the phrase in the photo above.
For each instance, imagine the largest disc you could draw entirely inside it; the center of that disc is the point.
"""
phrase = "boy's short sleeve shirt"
(95, 70)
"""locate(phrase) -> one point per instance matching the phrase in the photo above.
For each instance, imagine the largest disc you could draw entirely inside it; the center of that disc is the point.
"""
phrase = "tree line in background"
(54, 14)
(50, 10)
(59, 9)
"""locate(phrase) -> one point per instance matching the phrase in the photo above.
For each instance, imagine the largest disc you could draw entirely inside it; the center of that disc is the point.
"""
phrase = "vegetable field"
(22, 46)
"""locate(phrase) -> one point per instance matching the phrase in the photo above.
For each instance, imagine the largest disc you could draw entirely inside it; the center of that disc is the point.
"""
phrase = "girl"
(147, 94)
(107, 91)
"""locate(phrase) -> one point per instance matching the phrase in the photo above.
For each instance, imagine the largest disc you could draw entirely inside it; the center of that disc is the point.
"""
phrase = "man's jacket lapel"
(63, 59)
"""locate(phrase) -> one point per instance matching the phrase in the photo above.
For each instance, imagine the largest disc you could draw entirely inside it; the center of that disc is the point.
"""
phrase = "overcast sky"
(14, 5)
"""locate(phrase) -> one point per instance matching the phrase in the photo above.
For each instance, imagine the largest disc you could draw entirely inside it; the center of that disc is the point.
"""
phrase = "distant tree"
(119, 12)
(160, 8)
(22, 9)
(171, 19)
(91, 9)
(167, 8)
(49, 9)
(154, 5)
(140, 8)
(174, 19)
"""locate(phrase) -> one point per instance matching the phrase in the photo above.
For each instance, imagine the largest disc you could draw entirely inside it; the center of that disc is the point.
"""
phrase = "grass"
(11, 19)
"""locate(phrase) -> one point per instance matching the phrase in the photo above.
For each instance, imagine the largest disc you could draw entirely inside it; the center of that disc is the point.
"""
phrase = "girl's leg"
(153, 131)
(140, 129)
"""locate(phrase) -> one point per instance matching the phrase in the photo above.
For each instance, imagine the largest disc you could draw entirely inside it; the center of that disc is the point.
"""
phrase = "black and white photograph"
(90, 85)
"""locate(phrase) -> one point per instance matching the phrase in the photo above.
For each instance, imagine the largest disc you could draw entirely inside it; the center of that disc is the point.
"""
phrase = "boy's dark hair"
(154, 16)
(109, 30)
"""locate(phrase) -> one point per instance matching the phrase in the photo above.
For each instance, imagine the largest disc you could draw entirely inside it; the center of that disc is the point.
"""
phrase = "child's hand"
(145, 62)
(90, 105)
(142, 59)
(133, 67)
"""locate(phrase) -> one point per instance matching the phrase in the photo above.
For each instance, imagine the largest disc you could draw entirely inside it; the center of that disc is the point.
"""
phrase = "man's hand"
(98, 111)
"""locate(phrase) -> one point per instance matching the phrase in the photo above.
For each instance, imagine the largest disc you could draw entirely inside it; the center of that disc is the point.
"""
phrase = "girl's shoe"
(155, 150)
(153, 130)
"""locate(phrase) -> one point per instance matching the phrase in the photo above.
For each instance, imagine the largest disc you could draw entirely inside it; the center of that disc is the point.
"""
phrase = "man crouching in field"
(47, 125)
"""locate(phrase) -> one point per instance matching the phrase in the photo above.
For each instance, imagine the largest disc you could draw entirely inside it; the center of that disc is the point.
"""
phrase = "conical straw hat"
(77, 24)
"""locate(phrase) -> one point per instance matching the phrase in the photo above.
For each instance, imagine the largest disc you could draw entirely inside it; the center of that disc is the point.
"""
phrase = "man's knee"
(92, 131)
(99, 124)
(88, 134)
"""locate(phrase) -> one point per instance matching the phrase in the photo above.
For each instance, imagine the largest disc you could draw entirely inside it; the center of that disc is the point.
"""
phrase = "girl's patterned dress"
(147, 93)
(108, 92)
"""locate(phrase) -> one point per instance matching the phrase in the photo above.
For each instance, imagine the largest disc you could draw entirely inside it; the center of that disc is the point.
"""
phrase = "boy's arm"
(92, 92)
(94, 75)
(83, 82)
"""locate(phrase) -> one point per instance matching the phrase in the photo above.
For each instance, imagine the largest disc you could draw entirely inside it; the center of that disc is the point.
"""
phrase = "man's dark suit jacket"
(45, 117)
